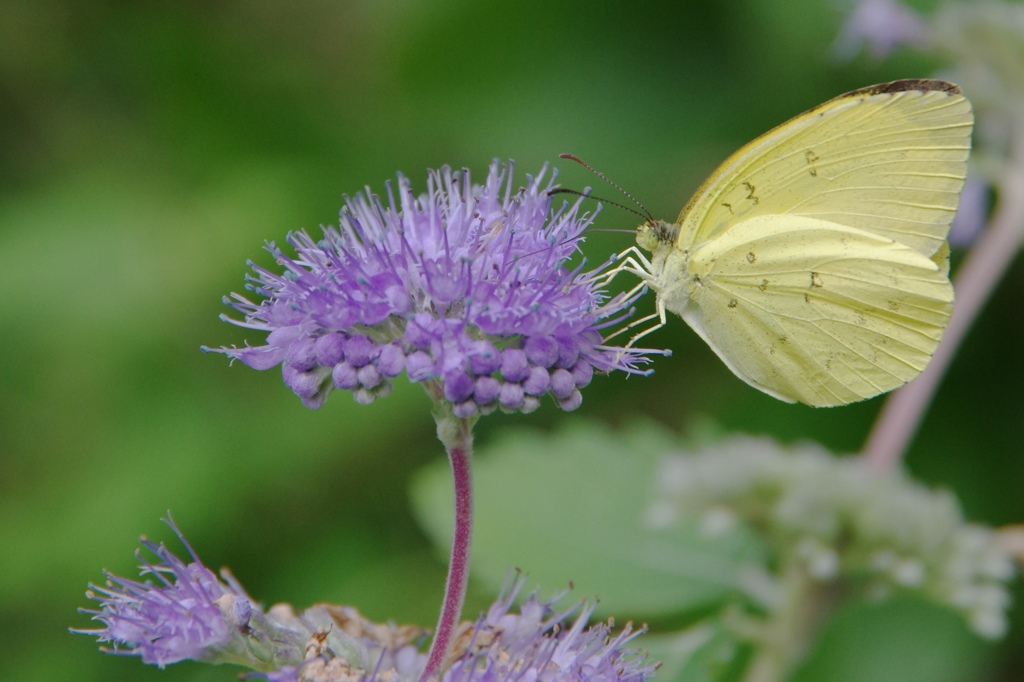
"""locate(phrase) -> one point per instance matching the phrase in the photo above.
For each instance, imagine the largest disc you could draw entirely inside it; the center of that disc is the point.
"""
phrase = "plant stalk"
(457, 436)
(789, 632)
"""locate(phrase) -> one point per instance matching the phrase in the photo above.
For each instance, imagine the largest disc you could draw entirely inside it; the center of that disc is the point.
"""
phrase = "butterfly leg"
(659, 315)
(633, 261)
(630, 296)
(634, 254)
(661, 323)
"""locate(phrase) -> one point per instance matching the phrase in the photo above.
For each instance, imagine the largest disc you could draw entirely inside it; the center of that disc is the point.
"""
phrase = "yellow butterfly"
(814, 261)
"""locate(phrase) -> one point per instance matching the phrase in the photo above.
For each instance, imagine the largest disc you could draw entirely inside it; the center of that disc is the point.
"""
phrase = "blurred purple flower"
(466, 287)
(189, 615)
(972, 214)
(500, 647)
(534, 645)
(289, 673)
(880, 26)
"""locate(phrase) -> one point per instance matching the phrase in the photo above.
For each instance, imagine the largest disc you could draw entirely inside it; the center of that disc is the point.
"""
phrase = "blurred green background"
(148, 149)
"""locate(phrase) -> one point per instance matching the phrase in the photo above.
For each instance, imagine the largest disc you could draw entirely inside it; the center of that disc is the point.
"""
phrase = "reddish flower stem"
(457, 435)
(977, 277)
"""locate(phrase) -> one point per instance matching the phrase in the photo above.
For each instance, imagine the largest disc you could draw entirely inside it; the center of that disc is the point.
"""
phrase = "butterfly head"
(654, 233)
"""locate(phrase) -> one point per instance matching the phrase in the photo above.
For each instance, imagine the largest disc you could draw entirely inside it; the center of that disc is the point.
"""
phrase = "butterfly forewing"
(889, 160)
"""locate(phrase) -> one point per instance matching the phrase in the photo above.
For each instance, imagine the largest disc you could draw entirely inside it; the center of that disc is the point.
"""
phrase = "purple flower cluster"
(465, 288)
(534, 645)
(500, 647)
(192, 614)
(190, 617)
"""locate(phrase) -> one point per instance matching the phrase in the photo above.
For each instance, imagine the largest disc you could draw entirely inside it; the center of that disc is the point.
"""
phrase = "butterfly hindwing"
(815, 311)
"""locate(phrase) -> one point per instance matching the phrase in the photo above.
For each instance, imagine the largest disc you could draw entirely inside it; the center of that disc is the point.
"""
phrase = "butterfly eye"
(647, 237)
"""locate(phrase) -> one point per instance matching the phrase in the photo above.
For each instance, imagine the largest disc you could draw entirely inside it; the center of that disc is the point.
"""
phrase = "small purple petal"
(574, 400)
(398, 298)
(446, 283)
(511, 395)
(259, 357)
(345, 376)
(364, 396)
(484, 358)
(541, 350)
(562, 384)
(568, 352)
(284, 336)
(458, 387)
(288, 673)
(270, 355)
(359, 350)
(391, 360)
(330, 349)
(487, 390)
(582, 373)
(530, 404)
(303, 384)
(514, 366)
(369, 377)
(315, 402)
(419, 366)
(301, 354)
(538, 382)
(465, 410)
(418, 332)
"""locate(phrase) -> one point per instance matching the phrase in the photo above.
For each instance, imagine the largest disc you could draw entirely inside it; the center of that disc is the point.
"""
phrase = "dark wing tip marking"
(907, 84)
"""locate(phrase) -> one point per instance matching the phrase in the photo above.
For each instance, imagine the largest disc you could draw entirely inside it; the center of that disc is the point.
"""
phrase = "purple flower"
(532, 645)
(189, 614)
(181, 618)
(536, 644)
(880, 26)
(465, 287)
(289, 673)
(972, 213)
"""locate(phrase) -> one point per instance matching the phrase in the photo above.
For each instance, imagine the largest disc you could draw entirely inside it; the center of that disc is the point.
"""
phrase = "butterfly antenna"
(586, 195)
(573, 157)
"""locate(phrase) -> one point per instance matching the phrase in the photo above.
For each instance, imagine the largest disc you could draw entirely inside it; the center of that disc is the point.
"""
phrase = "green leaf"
(901, 640)
(706, 652)
(570, 507)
